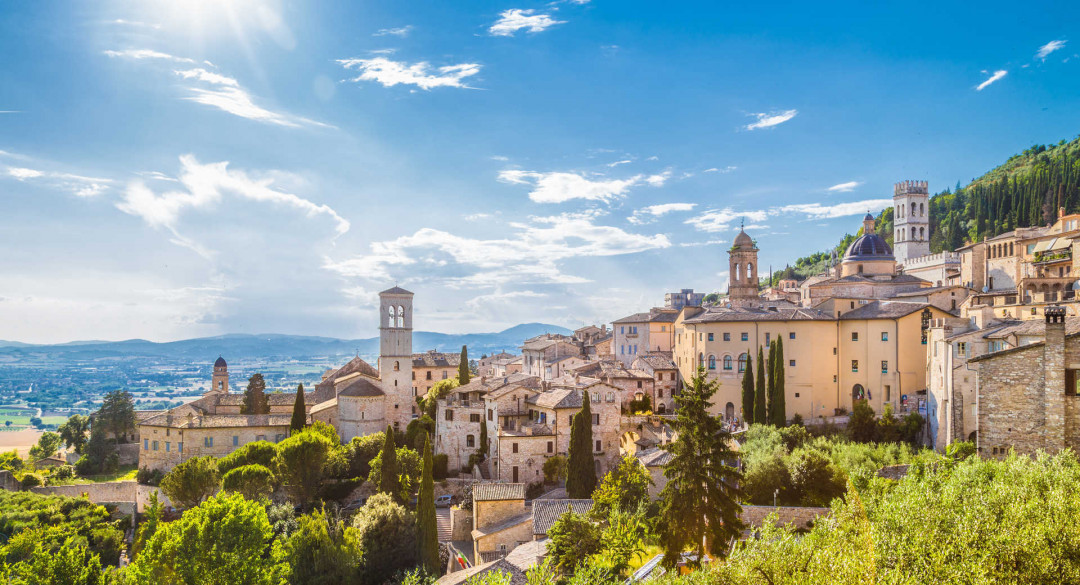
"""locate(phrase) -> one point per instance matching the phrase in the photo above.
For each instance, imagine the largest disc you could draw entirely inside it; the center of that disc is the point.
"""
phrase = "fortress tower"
(395, 354)
(911, 220)
(219, 383)
(742, 273)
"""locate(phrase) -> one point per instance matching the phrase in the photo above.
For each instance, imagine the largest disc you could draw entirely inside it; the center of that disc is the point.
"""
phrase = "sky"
(187, 168)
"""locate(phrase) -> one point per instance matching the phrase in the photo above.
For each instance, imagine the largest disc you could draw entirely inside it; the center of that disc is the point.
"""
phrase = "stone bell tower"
(911, 220)
(395, 354)
(219, 383)
(742, 275)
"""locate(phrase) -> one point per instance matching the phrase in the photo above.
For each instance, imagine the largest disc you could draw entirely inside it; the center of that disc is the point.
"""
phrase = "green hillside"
(1025, 191)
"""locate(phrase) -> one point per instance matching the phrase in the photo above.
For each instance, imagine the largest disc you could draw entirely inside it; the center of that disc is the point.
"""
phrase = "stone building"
(643, 332)
(501, 521)
(432, 367)
(486, 365)
(539, 352)
(684, 298)
(743, 272)
(911, 220)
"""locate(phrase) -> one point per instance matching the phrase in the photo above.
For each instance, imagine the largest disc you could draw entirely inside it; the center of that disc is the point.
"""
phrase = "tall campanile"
(395, 354)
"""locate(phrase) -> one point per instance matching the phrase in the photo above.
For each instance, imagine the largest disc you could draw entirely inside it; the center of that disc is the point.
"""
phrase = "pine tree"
(299, 412)
(779, 410)
(700, 501)
(463, 366)
(580, 469)
(428, 532)
(389, 483)
(770, 385)
(748, 391)
(255, 399)
(760, 417)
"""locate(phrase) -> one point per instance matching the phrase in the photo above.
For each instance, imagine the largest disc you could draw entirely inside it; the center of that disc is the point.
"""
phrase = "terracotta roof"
(723, 314)
(361, 387)
(528, 555)
(490, 492)
(325, 390)
(655, 315)
(884, 310)
(506, 524)
(558, 398)
(658, 360)
(517, 576)
(275, 398)
(546, 512)
(432, 359)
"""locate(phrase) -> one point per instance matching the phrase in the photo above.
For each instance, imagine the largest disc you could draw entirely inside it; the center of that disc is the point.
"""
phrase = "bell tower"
(911, 220)
(742, 273)
(219, 383)
(395, 354)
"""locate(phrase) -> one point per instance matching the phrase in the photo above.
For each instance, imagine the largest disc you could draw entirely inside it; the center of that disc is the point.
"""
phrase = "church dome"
(220, 363)
(743, 241)
(869, 247)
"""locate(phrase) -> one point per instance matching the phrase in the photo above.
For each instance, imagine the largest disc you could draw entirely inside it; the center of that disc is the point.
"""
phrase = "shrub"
(439, 466)
(251, 481)
(339, 490)
(386, 532)
(256, 453)
(63, 472)
(30, 480)
(149, 476)
(534, 490)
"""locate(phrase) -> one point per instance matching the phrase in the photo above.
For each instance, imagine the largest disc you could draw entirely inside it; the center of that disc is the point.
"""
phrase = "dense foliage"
(580, 468)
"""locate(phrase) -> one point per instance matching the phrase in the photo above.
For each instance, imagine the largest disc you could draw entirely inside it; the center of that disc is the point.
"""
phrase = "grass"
(651, 550)
(124, 473)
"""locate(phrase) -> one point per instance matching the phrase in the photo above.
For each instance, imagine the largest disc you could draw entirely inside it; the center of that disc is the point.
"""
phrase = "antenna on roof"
(742, 223)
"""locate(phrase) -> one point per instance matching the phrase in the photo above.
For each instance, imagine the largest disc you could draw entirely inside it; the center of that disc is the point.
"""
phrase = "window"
(429, 375)
(768, 337)
(397, 366)
(444, 375)
(208, 441)
(660, 393)
(550, 447)
(474, 418)
(961, 349)
(997, 345)
(701, 360)
(854, 335)
(279, 438)
(449, 414)
(236, 441)
(742, 362)
(513, 447)
(596, 418)
(854, 365)
(834, 378)
(146, 444)
(727, 337)
(727, 363)
(168, 446)
(834, 351)
(745, 336)
(596, 396)
(180, 446)
(712, 362)
(155, 445)
(672, 376)
(884, 335)
(599, 446)
(888, 393)
(659, 377)
(622, 330)
(884, 366)
(791, 335)
(611, 397)
(791, 363)
(796, 395)
(470, 441)
(711, 337)
(639, 384)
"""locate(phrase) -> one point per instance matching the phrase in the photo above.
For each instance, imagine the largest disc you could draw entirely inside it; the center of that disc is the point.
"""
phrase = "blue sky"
(179, 169)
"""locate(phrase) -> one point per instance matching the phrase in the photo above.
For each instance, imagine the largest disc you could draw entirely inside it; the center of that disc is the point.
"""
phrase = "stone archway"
(729, 411)
(858, 393)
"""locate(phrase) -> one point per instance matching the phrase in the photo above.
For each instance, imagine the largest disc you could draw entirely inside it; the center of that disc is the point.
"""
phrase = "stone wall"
(111, 491)
(128, 453)
(797, 517)
(8, 481)
(461, 524)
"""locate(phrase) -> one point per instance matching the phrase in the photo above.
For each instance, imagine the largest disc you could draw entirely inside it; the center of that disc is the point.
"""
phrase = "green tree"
(700, 500)
(227, 539)
(417, 429)
(427, 530)
(322, 551)
(300, 462)
(623, 489)
(98, 453)
(861, 424)
(580, 469)
(262, 453)
(770, 384)
(815, 481)
(192, 481)
(621, 540)
(254, 482)
(760, 415)
(150, 524)
(555, 469)
(571, 540)
(74, 432)
(299, 413)
(47, 445)
(485, 442)
(748, 391)
(409, 467)
(778, 404)
(117, 415)
(463, 373)
(255, 399)
(362, 450)
(386, 533)
(70, 563)
(388, 480)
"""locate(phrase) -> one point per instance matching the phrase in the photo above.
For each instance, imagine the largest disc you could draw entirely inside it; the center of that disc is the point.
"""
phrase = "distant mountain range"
(276, 346)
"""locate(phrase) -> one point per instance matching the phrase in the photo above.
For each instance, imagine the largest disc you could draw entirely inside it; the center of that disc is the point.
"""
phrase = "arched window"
(712, 362)
(749, 270)
(429, 375)
(701, 360)
(400, 316)
(742, 362)
(913, 209)
(922, 233)
(661, 408)
(397, 366)
(470, 441)
(738, 272)
(860, 268)
(727, 363)
(390, 321)
(922, 209)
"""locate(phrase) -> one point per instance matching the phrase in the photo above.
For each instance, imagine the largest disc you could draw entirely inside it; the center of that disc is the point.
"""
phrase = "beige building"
(432, 367)
(642, 333)
(501, 521)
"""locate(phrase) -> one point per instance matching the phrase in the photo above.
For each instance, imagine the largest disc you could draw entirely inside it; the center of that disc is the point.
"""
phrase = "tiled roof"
(528, 555)
(658, 360)
(219, 421)
(557, 398)
(546, 512)
(432, 359)
(397, 290)
(487, 492)
(653, 316)
(361, 386)
(884, 310)
(654, 457)
(517, 576)
(325, 389)
(927, 290)
(895, 279)
(723, 314)
(1032, 327)
(506, 524)
(275, 398)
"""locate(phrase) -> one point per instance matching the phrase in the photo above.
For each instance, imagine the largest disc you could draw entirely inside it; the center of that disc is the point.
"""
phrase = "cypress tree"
(299, 412)
(428, 536)
(483, 439)
(759, 393)
(779, 410)
(770, 385)
(388, 481)
(463, 366)
(255, 399)
(580, 469)
(748, 390)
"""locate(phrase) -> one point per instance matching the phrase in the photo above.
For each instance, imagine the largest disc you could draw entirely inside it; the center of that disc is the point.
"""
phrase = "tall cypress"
(428, 532)
(770, 385)
(255, 399)
(779, 410)
(580, 469)
(759, 392)
(463, 366)
(299, 412)
(388, 480)
(748, 390)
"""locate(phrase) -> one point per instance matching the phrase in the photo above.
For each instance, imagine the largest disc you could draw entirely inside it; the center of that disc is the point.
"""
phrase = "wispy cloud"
(1048, 48)
(770, 119)
(996, 76)
(515, 19)
(145, 54)
(844, 187)
(724, 170)
(390, 73)
(619, 162)
(136, 23)
(721, 220)
(77, 185)
(652, 212)
(819, 211)
(559, 187)
(401, 31)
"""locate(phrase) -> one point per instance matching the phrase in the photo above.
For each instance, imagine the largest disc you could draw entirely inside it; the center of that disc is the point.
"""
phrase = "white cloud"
(390, 73)
(619, 162)
(721, 220)
(649, 214)
(1049, 48)
(401, 31)
(76, 184)
(515, 19)
(500, 158)
(996, 76)
(483, 304)
(204, 186)
(705, 243)
(770, 119)
(23, 173)
(136, 23)
(529, 256)
(819, 211)
(845, 187)
(477, 216)
(144, 54)
(724, 170)
(559, 187)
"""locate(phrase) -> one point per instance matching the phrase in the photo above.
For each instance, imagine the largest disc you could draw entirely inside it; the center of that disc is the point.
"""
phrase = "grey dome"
(743, 241)
(869, 247)
(220, 363)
